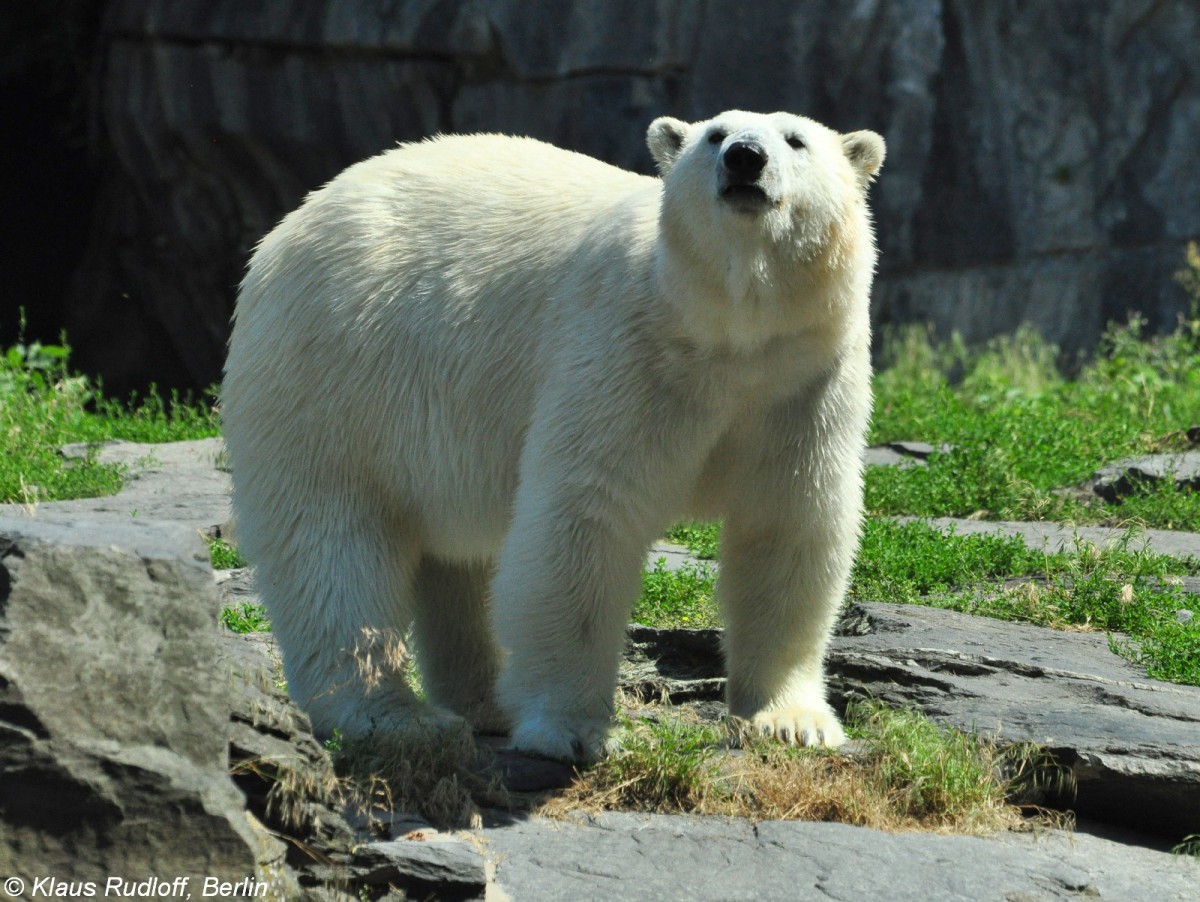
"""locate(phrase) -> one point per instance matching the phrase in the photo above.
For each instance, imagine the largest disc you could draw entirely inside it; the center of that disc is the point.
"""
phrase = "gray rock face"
(113, 748)
(1040, 156)
(634, 857)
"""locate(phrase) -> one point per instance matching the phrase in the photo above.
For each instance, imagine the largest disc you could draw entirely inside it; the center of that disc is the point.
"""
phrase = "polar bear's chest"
(776, 370)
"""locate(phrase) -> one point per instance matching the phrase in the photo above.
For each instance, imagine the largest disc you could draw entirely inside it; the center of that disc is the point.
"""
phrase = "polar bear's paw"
(582, 742)
(797, 726)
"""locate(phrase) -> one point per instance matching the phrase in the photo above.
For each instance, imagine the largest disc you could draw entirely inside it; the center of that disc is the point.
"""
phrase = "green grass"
(1123, 588)
(1021, 433)
(700, 537)
(681, 597)
(225, 556)
(245, 617)
(44, 405)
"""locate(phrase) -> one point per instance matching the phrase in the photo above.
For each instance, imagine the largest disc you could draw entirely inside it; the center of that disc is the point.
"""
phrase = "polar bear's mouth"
(745, 198)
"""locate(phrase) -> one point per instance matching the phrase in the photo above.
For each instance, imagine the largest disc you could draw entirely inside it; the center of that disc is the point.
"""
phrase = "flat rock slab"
(175, 482)
(1131, 742)
(1056, 537)
(1043, 535)
(903, 454)
(615, 856)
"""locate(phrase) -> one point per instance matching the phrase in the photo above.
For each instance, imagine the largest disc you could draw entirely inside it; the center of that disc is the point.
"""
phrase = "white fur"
(483, 362)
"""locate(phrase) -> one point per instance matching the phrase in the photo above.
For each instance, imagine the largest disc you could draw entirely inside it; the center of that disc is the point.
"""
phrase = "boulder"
(113, 750)
(1122, 477)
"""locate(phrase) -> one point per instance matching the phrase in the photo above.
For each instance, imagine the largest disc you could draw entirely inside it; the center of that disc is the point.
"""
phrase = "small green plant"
(682, 597)
(225, 556)
(245, 617)
(1190, 845)
(335, 743)
(701, 538)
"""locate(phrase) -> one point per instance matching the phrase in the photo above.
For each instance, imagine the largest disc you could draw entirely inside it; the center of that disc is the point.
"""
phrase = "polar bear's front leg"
(787, 548)
(780, 592)
(565, 582)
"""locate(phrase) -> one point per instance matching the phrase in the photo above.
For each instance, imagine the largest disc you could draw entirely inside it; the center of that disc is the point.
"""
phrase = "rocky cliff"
(1041, 161)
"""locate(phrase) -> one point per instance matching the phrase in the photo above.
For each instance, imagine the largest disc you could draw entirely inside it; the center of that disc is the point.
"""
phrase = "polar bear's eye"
(795, 142)
(716, 136)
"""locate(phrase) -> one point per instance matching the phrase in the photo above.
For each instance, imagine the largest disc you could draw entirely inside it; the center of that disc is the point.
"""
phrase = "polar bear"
(471, 380)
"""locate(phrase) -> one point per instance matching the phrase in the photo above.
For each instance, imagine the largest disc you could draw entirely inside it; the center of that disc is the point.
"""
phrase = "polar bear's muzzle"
(741, 169)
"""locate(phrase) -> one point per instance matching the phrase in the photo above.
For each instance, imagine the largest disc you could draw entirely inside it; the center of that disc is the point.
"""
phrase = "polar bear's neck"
(749, 292)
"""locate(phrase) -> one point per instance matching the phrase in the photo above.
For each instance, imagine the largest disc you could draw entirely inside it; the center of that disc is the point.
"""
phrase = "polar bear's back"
(469, 208)
(429, 273)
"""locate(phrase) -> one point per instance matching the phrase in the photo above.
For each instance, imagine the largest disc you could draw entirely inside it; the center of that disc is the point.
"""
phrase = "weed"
(1190, 845)
(681, 597)
(225, 556)
(701, 538)
(245, 617)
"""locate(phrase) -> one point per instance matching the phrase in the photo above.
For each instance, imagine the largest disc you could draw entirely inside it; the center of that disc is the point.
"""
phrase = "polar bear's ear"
(665, 139)
(865, 151)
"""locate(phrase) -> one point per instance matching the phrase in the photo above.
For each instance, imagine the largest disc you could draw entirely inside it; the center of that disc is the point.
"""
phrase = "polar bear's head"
(786, 175)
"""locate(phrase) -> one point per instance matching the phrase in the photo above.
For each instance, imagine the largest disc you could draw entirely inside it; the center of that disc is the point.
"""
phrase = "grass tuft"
(911, 775)
(225, 556)
(245, 617)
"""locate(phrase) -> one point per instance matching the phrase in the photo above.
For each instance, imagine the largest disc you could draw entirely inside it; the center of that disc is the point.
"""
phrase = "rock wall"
(1041, 163)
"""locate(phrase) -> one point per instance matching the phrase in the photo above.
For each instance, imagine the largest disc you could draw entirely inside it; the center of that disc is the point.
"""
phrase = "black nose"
(745, 160)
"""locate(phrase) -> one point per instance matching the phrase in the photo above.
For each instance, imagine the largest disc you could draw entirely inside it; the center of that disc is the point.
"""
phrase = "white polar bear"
(480, 375)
